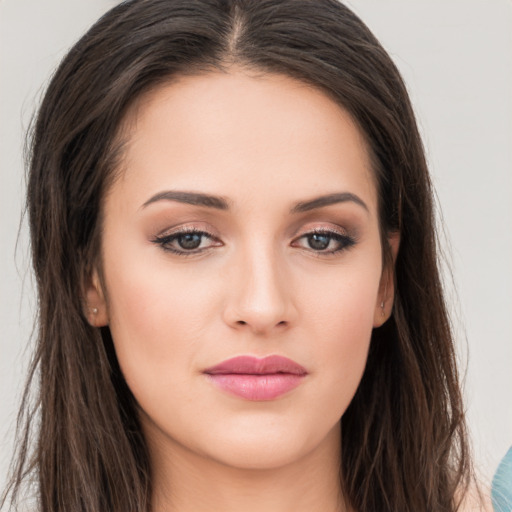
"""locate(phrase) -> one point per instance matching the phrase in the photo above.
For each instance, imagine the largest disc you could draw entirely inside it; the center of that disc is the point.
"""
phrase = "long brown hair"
(403, 435)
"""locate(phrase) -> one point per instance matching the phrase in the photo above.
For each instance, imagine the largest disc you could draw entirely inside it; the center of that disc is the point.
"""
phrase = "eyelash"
(165, 241)
(345, 241)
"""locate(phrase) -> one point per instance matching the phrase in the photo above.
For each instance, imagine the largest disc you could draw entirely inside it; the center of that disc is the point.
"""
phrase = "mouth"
(252, 378)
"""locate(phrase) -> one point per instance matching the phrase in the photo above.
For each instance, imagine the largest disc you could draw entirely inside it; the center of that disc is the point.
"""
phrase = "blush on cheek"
(346, 324)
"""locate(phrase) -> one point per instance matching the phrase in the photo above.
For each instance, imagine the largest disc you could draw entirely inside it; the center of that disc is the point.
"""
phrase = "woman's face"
(244, 223)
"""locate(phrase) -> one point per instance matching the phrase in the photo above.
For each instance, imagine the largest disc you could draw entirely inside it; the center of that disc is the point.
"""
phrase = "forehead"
(218, 131)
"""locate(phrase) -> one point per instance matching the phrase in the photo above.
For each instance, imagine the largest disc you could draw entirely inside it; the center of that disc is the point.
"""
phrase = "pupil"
(190, 241)
(319, 242)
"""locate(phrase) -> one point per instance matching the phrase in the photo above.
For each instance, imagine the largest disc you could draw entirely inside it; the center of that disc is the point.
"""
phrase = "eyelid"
(187, 227)
(321, 228)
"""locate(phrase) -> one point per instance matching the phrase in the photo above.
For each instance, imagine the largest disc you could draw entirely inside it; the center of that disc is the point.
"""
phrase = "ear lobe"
(95, 303)
(386, 295)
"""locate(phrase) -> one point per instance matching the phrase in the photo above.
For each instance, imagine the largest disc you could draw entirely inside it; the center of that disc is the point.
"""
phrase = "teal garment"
(502, 485)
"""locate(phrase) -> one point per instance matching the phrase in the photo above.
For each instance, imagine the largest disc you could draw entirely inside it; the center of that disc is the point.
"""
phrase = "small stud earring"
(383, 314)
(94, 311)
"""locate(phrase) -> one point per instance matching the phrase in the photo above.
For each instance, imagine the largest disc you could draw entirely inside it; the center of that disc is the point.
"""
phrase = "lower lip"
(257, 387)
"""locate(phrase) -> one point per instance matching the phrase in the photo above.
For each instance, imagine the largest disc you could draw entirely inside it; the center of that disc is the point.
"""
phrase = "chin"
(265, 453)
(270, 446)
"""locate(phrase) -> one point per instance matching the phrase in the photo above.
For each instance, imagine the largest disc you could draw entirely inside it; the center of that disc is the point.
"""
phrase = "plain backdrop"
(456, 57)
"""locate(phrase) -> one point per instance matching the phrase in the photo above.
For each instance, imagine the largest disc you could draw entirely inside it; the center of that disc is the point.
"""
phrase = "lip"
(253, 378)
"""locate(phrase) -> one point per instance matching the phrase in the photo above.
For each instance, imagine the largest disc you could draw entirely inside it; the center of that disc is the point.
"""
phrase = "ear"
(95, 303)
(386, 295)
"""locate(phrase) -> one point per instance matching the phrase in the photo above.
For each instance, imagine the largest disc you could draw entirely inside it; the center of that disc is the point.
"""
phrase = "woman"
(240, 306)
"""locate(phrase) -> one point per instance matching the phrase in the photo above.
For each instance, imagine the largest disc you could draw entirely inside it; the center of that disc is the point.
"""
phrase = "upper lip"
(250, 365)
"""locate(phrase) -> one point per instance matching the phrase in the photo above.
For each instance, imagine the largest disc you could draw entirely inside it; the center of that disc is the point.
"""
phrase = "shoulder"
(476, 499)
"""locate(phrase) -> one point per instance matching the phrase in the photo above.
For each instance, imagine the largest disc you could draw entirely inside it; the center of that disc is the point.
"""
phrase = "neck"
(184, 481)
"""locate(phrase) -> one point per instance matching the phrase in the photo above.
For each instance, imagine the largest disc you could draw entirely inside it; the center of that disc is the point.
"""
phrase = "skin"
(256, 287)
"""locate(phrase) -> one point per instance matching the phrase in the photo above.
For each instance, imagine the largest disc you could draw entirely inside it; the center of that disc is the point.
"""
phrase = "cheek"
(157, 319)
(341, 304)
(341, 321)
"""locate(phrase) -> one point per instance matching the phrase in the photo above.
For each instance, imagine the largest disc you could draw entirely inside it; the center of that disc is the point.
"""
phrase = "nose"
(260, 295)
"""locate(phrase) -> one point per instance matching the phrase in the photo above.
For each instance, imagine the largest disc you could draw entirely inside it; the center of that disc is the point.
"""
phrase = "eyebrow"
(221, 203)
(327, 200)
(194, 198)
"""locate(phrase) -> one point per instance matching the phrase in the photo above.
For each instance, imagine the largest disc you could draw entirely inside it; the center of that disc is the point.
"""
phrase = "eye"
(324, 241)
(189, 241)
(186, 242)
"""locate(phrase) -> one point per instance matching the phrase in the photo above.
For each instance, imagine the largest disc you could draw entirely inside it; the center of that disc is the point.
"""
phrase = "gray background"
(456, 57)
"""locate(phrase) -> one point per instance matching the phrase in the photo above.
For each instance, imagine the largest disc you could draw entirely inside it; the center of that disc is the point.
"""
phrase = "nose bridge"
(261, 299)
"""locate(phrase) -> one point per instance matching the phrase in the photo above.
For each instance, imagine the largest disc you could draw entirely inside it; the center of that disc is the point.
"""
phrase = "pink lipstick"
(257, 379)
